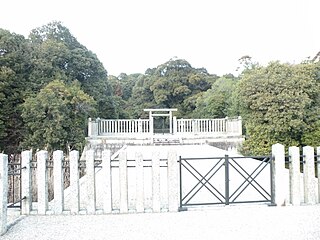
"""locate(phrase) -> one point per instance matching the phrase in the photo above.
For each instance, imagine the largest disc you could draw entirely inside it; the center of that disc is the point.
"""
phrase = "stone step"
(166, 141)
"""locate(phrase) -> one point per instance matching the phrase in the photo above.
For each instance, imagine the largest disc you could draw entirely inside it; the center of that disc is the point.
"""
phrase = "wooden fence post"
(74, 182)
(309, 175)
(294, 175)
(106, 175)
(91, 186)
(26, 190)
(280, 182)
(58, 182)
(3, 192)
(42, 178)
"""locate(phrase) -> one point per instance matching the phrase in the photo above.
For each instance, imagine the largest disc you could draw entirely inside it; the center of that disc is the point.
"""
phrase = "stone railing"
(223, 126)
(100, 127)
(117, 127)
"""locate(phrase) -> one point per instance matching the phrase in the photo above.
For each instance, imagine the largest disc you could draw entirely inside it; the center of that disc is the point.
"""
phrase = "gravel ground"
(230, 222)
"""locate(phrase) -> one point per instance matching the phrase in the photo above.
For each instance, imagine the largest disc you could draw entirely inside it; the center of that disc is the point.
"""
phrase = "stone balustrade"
(117, 127)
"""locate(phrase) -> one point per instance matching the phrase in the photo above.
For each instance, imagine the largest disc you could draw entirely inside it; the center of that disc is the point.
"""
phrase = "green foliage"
(15, 55)
(171, 85)
(29, 65)
(50, 84)
(58, 55)
(276, 103)
(56, 117)
(217, 102)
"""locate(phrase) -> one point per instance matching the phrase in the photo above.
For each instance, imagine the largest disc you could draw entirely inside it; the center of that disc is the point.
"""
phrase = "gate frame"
(158, 112)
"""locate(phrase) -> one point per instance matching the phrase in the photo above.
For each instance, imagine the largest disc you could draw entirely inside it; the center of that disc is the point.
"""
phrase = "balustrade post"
(89, 127)
(240, 125)
(93, 127)
(151, 125)
(175, 125)
(3, 192)
(226, 125)
(139, 126)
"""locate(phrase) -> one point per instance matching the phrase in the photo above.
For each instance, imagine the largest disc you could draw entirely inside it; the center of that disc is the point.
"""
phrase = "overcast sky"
(133, 35)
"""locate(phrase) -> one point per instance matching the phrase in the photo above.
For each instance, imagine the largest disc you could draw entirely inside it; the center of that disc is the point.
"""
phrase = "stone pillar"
(279, 181)
(240, 126)
(309, 175)
(318, 170)
(123, 182)
(26, 191)
(226, 125)
(170, 121)
(155, 182)
(58, 182)
(3, 192)
(139, 182)
(93, 127)
(106, 175)
(173, 182)
(90, 127)
(175, 125)
(42, 178)
(294, 175)
(74, 182)
(91, 186)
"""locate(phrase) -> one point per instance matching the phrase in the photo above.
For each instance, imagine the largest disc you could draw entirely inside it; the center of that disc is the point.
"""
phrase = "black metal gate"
(14, 181)
(225, 180)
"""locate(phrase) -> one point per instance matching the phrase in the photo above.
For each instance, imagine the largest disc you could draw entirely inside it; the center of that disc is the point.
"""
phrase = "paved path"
(232, 222)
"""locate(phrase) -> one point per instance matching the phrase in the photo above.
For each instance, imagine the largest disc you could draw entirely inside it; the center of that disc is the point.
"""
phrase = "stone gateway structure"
(163, 128)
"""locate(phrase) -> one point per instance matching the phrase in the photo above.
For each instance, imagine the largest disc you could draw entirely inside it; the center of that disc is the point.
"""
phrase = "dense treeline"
(50, 84)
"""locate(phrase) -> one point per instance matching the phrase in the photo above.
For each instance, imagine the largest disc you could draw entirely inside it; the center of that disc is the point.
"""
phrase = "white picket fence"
(123, 191)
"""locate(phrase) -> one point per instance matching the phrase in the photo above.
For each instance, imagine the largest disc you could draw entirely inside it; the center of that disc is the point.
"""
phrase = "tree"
(277, 105)
(217, 102)
(171, 85)
(15, 65)
(56, 118)
(58, 55)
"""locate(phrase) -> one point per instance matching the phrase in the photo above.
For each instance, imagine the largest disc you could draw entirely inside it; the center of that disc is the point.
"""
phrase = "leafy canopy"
(56, 117)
